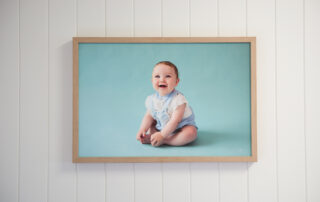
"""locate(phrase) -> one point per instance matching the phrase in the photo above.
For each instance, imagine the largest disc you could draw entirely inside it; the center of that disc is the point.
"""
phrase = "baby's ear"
(178, 80)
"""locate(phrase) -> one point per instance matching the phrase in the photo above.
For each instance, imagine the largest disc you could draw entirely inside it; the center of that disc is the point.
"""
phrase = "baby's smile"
(162, 86)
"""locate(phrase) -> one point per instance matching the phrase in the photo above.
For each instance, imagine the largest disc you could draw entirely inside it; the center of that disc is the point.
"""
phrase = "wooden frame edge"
(163, 39)
(253, 62)
(164, 159)
(75, 143)
(75, 153)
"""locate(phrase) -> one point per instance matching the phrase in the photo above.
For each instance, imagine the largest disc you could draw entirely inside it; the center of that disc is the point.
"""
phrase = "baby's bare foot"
(146, 139)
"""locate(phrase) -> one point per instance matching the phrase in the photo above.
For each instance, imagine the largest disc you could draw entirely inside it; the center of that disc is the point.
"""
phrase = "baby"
(169, 119)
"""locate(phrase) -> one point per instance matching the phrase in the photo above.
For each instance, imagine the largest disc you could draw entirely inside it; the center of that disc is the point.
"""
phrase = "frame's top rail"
(164, 39)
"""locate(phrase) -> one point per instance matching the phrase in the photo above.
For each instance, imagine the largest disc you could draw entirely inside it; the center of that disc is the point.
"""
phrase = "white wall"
(36, 101)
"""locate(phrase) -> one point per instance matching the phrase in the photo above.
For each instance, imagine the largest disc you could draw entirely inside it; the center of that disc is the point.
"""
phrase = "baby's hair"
(170, 64)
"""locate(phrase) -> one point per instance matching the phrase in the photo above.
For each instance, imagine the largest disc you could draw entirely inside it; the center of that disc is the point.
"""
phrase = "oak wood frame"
(77, 40)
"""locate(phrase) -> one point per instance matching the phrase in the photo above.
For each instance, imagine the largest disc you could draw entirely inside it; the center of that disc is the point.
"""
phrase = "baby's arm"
(158, 138)
(146, 123)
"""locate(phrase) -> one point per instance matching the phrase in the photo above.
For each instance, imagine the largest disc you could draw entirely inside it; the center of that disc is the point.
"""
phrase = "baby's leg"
(183, 137)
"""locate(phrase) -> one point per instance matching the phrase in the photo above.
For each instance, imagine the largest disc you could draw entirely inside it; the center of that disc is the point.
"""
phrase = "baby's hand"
(157, 139)
(140, 135)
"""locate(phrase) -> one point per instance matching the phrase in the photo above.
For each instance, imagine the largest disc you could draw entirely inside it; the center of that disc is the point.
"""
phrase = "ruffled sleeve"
(178, 100)
(148, 103)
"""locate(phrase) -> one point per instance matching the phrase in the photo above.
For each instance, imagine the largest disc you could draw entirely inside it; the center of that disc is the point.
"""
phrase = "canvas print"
(164, 99)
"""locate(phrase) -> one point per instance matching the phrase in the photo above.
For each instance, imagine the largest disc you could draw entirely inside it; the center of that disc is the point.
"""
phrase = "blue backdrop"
(115, 79)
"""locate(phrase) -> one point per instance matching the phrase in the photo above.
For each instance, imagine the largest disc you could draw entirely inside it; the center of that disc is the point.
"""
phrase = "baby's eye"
(168, 76)
(157, 76)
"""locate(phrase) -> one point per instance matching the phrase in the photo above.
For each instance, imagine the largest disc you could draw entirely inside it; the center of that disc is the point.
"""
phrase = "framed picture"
(112, 79)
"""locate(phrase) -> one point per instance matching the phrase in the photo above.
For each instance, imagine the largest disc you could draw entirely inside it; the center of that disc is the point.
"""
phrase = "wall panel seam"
(48, 94)
(134, 181)
(105, 18)
(162, 184)
(218, 18)
(161, 18)
(248, 183)
(247, 164)
(107, 3)
(246, 2)
(19, 102)
(189, 164)
(76, 184)
(219, 169)
(219, 183)
(133, 18)
(190, 181)
(106, 35)
(77, 34)
(105, 182)
(304, 96)
(276, 100)
(76, 17)
(189, 24)
(134, 34)
(161, 164)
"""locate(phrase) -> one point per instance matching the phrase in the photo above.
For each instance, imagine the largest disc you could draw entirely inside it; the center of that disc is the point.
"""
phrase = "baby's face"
(164, 79)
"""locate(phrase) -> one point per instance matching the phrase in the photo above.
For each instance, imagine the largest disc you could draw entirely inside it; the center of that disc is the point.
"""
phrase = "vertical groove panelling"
(276, 93)
(19, 108)
(61, 169)
(233, 182)
(290, 101)
(148, 177)
(148, 182)
(147, 18)
(106, 22)
(48, 94)
(91, 22)
(91, 183)
(91, 18)
(232, 17)
(204, 176)
(105, 181)
(105, 17)
(75, 17)
(203, 18)
(176, 182)
(233, 176)
(304, 97)
(312, 83)
(120, 179)
(119, 18)
(176, 176)
(218, 18)
(189, 18)
(120, 182)
(76, 21)
(34, 100)
(175, 18)
(262, 174)
(9, 100)
(204, 182)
